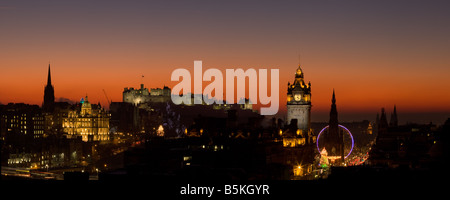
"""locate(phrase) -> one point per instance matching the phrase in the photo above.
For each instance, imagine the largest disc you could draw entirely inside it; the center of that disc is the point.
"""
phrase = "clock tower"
(299, 102)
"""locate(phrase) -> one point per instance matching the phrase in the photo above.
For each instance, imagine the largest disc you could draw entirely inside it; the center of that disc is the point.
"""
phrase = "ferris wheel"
(344, 129)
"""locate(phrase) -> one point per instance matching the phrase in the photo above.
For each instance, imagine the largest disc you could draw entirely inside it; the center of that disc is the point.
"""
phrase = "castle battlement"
(143, 95)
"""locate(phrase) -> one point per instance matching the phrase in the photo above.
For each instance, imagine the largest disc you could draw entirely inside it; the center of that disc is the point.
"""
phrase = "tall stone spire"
(394, 120)
(49, 94)
(333, 111)
(334, 141)
(49, 77)
(382, 125)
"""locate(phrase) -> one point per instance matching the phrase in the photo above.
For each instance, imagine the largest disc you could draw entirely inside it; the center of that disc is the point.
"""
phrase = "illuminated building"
(142, 95)
(45, 153)
(369, 129)
(323, 158)
(299, 103)
(160, 131)
(291, 140)
(298, 113)
(91, 122)
(296, 136)
(298, 170)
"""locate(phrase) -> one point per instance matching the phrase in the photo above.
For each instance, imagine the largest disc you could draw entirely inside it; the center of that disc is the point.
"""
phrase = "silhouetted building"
(333, 138)
(18, 119)
(45, 153)
(382, 123)
(49, 94)
(27, 144)
(411, 146)
(124, 117)
(394, 120)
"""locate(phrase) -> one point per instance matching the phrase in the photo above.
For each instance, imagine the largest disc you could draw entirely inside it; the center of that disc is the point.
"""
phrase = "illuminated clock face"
(297, 97)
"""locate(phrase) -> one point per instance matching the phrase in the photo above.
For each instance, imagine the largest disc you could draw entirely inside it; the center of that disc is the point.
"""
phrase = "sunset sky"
(373, 53)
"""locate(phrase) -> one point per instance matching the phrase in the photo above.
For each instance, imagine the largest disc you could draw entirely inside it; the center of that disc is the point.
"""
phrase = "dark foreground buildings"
(402, 153)
(148, 137)
(412, 146)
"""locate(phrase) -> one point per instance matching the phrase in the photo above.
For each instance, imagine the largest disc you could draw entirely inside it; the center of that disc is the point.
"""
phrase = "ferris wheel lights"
(351, 136)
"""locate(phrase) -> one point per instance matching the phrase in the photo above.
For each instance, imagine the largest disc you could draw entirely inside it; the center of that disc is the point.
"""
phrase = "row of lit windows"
(38, 127)
(38, 122)
(88, 131)
(14, 120)
(85, 119)
(26, 158)
(23, 122)
(85, 124)
(96, 138)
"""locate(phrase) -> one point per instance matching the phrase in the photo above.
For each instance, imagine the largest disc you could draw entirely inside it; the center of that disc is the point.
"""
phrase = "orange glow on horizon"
(356, 91)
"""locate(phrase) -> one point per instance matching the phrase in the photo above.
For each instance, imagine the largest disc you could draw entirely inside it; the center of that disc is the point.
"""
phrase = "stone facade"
(91, 122)
(299, 102)
(143, 95)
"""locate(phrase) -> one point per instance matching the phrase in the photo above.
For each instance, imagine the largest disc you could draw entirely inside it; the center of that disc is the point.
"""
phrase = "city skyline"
(373, 54)
(203, 98)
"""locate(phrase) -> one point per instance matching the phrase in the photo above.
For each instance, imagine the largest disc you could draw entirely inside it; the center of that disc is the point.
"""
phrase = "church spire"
(394, 119)
(333, 111)
(49, 77)
(335, 138)
(49, 94)
(333, 99)
(383, 125)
